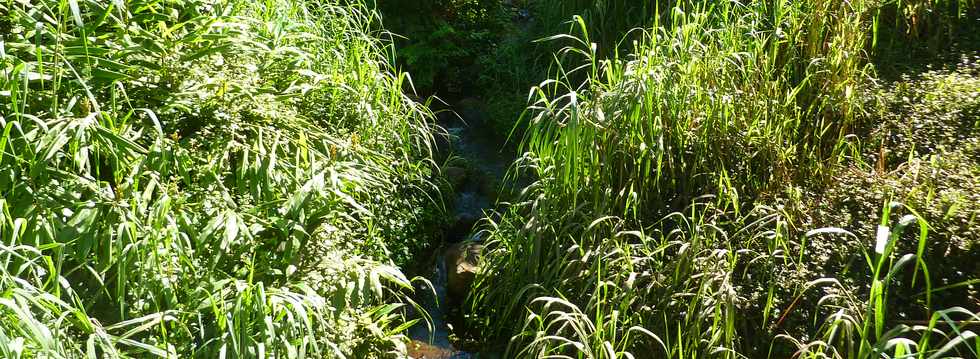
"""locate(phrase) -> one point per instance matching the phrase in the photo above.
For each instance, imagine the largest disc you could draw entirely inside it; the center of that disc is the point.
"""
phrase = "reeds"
(203, 179)
(616, 252)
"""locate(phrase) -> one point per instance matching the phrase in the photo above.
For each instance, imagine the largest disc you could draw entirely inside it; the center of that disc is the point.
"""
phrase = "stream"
(477, 165)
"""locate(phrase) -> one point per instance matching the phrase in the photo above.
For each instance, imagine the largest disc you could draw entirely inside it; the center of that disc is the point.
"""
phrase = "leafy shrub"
(923, 151)
(440, 40)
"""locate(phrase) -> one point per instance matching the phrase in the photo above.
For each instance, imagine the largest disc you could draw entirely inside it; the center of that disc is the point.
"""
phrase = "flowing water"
(435, 343)
(485, 163)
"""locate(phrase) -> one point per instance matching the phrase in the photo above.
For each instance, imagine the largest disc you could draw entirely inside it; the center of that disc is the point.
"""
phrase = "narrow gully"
(479, 161)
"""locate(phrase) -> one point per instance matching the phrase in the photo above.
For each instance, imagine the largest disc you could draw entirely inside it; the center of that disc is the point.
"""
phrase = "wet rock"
(462, 263)
(456, 176)
(422, 350)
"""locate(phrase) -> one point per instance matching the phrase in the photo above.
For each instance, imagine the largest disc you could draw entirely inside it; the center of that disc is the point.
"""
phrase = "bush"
(439, 41)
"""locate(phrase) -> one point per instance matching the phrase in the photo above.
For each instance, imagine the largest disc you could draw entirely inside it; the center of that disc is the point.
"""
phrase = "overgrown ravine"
(474, 156)
(474, 161)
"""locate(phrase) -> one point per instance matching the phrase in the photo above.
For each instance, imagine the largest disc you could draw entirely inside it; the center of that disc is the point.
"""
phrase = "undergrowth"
(199, 178)
(735, 181)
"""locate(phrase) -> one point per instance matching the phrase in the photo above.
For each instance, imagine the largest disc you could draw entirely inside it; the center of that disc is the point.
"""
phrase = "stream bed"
(477, 164)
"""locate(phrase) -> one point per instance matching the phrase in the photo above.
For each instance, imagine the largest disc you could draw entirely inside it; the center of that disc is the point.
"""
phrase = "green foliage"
(673, 173)
(428, 53)
(199, 178)
(440, 40)
(701, 107)
(700, 282)
(606, 20)
(204, 179)
(933, 111)
(910, 30)
(922, 151)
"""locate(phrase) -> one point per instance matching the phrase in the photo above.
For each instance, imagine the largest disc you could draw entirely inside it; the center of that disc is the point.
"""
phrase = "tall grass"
(728, 97)
(607, 20)
(204, 179)
(698, 284)
(616, 252)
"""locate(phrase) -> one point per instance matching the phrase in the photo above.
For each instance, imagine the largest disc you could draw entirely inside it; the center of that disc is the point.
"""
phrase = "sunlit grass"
(616, 252)
(204, 179)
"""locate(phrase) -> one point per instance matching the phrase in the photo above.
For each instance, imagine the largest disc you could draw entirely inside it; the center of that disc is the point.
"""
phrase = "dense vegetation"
(735, 179)
(204, 179)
